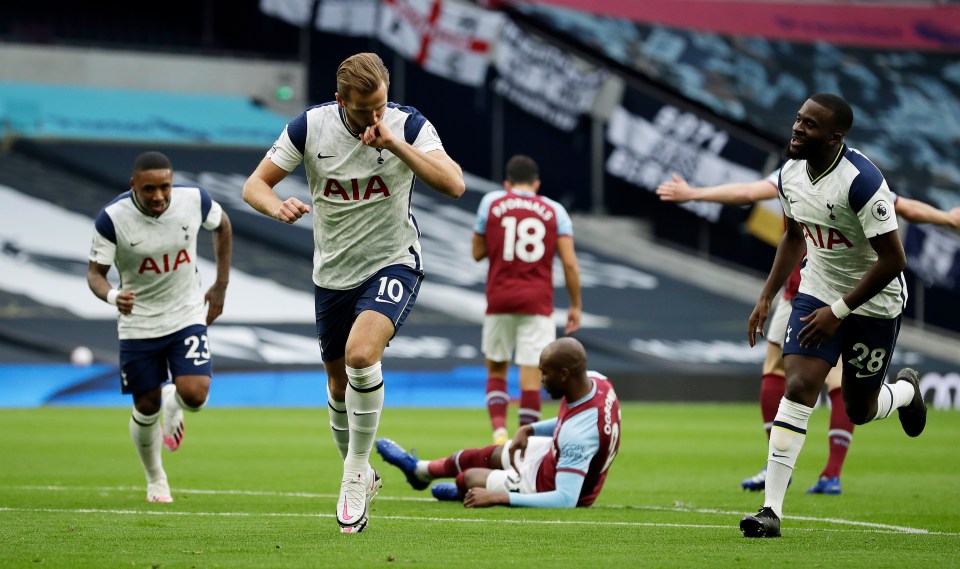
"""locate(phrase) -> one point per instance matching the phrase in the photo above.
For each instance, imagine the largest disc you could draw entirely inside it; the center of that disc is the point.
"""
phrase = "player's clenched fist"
(291, 210)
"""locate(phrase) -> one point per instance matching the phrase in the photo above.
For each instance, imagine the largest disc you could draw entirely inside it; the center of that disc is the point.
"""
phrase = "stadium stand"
(906, 103)
(635, 282)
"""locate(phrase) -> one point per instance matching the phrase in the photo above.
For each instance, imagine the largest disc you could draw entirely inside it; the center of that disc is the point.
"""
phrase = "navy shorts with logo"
(865, 343)
(392, 291)
(146, 364)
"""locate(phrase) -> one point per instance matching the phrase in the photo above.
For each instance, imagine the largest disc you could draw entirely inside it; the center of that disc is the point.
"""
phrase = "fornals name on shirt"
(519, 203)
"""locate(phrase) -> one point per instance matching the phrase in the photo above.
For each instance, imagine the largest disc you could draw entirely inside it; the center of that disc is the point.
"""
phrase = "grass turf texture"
(257, 488)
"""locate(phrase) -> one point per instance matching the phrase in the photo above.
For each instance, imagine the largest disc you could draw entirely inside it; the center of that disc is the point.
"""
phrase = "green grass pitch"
(257, 488)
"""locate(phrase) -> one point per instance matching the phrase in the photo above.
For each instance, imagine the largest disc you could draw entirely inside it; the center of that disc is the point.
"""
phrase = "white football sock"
(364, 401)
(339, 425)
(893, 396)
(786, 440)
(145, 432)
(423, 470)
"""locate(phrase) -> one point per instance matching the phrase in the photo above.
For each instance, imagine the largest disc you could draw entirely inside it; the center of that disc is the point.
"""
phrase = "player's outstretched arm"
(678, 190)
(258, 192)
(916, 211)
(222, 252)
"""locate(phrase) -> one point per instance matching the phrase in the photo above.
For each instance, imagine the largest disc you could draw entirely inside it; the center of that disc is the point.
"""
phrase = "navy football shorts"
(392, 291)
(146, 364)
(865, 343)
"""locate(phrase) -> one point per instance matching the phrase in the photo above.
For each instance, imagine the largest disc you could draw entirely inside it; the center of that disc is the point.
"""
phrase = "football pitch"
(258, 487)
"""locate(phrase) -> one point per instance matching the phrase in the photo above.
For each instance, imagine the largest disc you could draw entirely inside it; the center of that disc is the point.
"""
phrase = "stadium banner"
(347, 17)
(893, 25)
(344, 17)
(544, 80)
(296, 12)
(445, 38)
(934, 255)
(652, 140)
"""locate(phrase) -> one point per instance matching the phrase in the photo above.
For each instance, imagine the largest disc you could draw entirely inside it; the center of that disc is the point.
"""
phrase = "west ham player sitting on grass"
(557, 463)
(150, 234)
(840, 214)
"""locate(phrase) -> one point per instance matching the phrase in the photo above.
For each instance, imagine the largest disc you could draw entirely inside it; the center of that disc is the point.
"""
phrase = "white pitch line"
(268, 493)
(887, 527)
(869, 527)
(428, 519)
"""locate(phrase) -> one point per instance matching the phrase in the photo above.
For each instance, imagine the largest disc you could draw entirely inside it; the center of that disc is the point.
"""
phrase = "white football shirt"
(362, 215)
(839, 212)
(157, 259)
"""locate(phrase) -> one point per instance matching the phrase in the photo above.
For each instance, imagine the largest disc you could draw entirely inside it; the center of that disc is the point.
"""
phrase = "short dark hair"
(842, 113)
(151, 160)
(522, 170)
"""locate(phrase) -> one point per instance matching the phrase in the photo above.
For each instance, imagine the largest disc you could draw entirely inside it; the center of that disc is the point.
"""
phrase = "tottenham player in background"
(362, 155)
(150, 234)
(840, 213)
(520, 232)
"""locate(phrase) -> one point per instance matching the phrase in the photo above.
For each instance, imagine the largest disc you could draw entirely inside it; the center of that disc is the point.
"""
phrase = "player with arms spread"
(521, 232)
(558, 463)
(150, 234)
(840, 214)
(362, 155)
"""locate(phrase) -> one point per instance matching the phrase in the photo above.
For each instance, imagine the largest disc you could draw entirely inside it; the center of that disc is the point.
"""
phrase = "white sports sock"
(423, 470)
(339, 425)
(786, 440)
(364, 402)
(893, 396)
(145, 432)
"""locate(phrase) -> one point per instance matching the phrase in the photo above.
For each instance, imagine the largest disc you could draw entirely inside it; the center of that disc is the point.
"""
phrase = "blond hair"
(362, 73)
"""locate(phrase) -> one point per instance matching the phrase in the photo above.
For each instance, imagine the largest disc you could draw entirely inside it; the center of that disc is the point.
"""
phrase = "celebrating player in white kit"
(840, 213)
(150, 234)
(362, 156)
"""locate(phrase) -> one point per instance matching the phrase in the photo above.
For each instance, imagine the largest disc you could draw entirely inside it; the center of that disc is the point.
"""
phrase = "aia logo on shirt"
(164, 264)
(825, 237)
(353, 191)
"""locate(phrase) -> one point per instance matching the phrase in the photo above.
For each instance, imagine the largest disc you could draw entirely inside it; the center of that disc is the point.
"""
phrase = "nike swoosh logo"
(321, 156)
(792, 201)
(200, 362)
(378, 299)
(861, 375)
(135, 244)
(779, 455)
(362, 413)
(346, 516)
